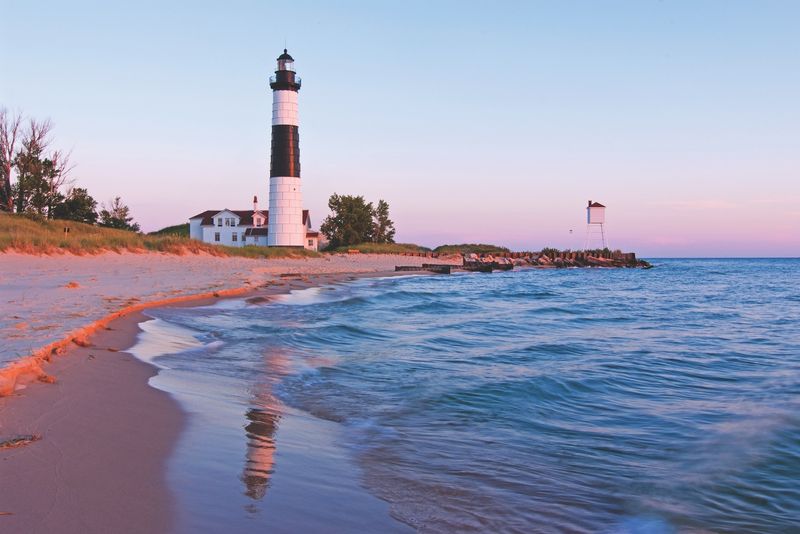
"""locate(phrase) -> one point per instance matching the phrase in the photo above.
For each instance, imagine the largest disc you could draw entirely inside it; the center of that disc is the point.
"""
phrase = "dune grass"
(181, 230)
(470, 248)
(382, 248)
(22, 234)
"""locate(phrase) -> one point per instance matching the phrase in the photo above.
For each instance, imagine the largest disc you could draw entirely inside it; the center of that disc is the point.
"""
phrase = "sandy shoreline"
(55, 300)
(100, 465)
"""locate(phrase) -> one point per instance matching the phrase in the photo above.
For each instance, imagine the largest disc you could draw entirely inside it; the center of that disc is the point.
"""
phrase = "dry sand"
(105, 434)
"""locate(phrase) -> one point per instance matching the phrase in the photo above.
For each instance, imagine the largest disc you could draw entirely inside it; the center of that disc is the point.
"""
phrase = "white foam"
(315, 295)
(159, 338)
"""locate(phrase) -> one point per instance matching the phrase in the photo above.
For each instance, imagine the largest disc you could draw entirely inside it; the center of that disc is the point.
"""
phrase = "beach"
(105, 436)
(102, 433)
(596, 400)
(53, 300)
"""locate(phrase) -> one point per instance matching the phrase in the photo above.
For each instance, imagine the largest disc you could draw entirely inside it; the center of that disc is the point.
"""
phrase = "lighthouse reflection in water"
(263, 418)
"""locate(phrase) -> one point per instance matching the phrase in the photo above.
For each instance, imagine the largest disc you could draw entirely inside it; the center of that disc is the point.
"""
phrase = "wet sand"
(105, 438)
(106, 435)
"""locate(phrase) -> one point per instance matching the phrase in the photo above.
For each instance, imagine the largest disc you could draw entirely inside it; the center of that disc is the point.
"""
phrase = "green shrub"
(471, 248)
(382, 248)
(178, 229)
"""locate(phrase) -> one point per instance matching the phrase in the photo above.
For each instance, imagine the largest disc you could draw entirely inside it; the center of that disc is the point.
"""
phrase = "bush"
(471, 248)
(381, 248)
(178, 229)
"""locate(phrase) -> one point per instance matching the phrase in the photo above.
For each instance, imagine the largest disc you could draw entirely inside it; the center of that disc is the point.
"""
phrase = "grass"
(181, 230)
(22, 234)
(382, 248)
(469, 248)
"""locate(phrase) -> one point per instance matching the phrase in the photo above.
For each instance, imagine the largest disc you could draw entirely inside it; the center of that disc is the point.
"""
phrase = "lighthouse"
(286, 228)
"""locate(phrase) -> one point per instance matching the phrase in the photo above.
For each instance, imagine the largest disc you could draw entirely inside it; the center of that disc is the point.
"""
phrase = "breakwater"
(546, 258)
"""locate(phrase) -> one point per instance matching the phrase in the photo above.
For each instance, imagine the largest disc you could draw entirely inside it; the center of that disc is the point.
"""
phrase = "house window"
(216, 236)
(235, 237)
(310, 242)
(219, 221)
(227, 221)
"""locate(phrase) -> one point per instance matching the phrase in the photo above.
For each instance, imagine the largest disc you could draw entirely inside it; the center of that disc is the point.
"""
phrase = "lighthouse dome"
(285, 62)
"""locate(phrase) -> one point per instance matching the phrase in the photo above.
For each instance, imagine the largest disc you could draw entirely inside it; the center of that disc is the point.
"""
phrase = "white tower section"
(286, 228)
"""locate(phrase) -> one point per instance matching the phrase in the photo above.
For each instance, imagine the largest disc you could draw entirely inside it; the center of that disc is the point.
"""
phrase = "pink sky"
(488, 125)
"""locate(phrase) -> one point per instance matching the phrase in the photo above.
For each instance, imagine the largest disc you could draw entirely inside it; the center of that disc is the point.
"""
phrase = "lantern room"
(285, 78)
(285, 61)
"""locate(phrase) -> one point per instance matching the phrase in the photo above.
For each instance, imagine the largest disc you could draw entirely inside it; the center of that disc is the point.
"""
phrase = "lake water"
(580, 400)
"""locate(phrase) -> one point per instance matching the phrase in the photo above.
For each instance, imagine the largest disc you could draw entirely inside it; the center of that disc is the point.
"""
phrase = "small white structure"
(595, 225)
(239, 228)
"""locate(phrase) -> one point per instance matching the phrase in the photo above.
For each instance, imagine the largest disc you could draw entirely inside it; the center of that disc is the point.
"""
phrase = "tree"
(117, 215)
(78, 205)
(42, 192)
(382, 227)
(9, 129)
(350, 221)
(36, 174)
(56, 176)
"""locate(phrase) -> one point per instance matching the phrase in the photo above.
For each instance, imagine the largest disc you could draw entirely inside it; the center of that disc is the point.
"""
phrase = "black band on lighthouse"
(285, 151)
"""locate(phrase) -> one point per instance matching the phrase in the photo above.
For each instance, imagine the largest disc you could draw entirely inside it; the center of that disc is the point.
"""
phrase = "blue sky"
(476, 121)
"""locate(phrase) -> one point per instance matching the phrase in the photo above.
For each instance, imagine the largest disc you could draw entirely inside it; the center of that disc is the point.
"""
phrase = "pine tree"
(77, 206)
(383, 227)
(117, 215)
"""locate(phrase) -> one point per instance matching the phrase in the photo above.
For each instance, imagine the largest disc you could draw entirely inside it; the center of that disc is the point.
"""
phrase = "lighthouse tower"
(286, 227)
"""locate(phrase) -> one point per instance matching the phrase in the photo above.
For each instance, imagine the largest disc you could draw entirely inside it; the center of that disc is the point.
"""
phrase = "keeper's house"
(239, 228)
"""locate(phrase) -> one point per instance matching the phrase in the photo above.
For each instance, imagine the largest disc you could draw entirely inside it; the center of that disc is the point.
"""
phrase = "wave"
(600, 401)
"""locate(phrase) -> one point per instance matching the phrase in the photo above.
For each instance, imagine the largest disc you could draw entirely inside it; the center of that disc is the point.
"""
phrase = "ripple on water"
(587, 401)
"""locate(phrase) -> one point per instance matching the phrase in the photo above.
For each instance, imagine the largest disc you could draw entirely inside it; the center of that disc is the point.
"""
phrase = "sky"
(476, 121)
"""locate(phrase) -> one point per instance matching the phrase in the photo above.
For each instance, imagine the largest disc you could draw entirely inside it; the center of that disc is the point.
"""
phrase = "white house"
(239, 228)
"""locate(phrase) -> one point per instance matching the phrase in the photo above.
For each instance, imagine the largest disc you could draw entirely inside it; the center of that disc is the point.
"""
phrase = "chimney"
(255, 203)
(590, 203)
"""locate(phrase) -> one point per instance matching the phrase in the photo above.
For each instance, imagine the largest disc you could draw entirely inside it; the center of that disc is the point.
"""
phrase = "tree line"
(35, 179)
